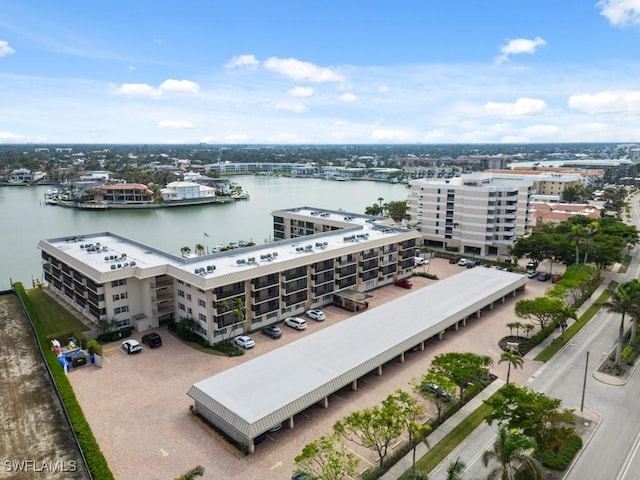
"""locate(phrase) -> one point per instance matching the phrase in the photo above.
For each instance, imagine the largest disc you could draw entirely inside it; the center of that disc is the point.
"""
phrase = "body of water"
(25, 220)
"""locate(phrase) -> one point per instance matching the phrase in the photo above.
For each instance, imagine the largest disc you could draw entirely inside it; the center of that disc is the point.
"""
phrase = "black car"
(437, 391)
(152, 340)
(272, 331)
(543, 276)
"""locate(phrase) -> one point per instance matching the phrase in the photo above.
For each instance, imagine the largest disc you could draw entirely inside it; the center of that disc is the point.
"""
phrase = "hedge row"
(97, 464)
(561, 459)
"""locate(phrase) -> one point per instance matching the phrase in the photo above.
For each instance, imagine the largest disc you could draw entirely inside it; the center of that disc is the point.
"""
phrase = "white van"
(417, 261)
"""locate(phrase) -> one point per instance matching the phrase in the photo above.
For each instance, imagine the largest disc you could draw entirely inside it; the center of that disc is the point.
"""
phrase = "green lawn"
(438, 452)
(55, 319)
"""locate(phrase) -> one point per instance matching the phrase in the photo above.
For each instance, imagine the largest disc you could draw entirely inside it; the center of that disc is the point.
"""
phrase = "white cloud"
(347, 97)
(208, 139)
(132, 68)
(290, 106)
(8, 137)
(298, 70)
(145, 90)
(301, 92)
(543, 131)
(182, 86)
(523, 107)
(382, 135)
(175, 124)
(5, 49)
(136, 90)
(342, 136)
(285, 138)
(620, 13)
(237, 138)
(243, 61)
(607, 101)
(517, 46)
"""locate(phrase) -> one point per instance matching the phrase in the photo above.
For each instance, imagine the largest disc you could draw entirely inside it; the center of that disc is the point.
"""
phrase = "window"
(119, 283)
(119, 296)
(118, 310)
(202, 317)
(189, 296)
(122, 323)
(189, 311)
(182, 307)
(201, 303)
(181, 293)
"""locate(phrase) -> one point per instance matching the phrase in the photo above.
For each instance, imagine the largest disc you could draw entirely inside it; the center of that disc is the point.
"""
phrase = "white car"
(245, 342)
(463, 262)
(317, 315)
(296, 323)
(131, 346)
(417, 261)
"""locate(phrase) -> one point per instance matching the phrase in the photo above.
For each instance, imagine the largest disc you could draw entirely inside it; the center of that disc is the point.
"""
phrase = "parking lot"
(139, 411)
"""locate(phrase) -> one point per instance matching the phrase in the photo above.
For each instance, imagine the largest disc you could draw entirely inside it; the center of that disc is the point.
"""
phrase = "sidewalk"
(439, 433)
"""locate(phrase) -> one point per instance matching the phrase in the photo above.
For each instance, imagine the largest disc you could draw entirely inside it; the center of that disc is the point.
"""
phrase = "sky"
(319, 72)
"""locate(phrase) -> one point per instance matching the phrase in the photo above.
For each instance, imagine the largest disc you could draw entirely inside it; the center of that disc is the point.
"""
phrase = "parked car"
(471, 263)
(437, 391)
(556, 277)
(276, 427)
(131, 346)
(317, 315)
(300, 476)
(532, 265)
(245, 342)
(296, 323)
(532, 273)
(417, 261)
(404, 283)
(463, 262)
(543, 276)
(152, 340)
(272, 331)
(453, 260)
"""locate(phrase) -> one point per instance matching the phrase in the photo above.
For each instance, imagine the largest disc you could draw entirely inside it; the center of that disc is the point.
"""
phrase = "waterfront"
(26, 220)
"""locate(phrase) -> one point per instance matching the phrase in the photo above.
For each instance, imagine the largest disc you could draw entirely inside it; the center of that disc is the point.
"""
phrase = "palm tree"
(623, 300)
(528, 327)
(199, 249)
(456, 469)
(578, 234)
(512, 325)
(185, 251)
(511, 358)
(511, 452)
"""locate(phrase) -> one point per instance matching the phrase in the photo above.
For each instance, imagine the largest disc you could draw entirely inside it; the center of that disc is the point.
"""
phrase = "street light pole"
(584, 383)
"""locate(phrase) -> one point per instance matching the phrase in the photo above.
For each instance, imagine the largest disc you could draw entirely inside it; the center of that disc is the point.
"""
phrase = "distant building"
(125, 193)
(25, 176)
(544, 212)
(176, 191)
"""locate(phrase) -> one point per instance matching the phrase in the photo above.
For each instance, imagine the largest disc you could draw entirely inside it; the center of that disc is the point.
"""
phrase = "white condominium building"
(108, 277)
(476, 214)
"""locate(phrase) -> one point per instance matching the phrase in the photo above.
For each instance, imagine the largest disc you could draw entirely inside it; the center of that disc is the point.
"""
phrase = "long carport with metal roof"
(248, 400)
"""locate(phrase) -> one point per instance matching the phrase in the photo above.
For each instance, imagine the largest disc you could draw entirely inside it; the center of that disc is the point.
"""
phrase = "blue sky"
(297, 71)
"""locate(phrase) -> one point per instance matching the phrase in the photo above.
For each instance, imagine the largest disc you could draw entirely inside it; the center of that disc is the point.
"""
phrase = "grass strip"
(53, 317)
(573, 330)
(438, 452)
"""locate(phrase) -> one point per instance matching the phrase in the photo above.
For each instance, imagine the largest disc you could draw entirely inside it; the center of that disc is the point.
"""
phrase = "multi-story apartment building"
(476, 214)
(105, 276)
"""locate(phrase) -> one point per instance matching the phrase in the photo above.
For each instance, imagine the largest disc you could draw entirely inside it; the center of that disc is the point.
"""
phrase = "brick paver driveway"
(139, 411)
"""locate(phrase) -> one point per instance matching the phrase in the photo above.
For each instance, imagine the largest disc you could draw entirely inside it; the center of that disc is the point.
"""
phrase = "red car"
(404, 283)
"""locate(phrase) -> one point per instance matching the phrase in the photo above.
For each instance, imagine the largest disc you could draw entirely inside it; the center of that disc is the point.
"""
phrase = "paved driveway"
(139, 411)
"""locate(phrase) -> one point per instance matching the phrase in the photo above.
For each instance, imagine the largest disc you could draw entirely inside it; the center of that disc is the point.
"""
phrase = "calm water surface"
(25, 220)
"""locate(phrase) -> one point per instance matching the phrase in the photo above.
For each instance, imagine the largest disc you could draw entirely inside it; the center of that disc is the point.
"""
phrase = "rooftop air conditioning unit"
(275, 254)
(119, 265)
(113, 267)
(132, 264)
(196, 271)
(106, 259)
(126, 264)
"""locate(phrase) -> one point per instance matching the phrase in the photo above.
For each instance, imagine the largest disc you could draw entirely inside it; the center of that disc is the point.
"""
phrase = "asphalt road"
(613, 449)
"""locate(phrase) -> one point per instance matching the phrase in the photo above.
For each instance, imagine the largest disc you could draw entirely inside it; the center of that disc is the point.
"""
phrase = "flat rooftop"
(106, 251)
(305, 371)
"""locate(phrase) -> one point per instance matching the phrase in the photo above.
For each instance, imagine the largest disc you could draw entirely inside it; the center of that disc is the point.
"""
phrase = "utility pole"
(584, 383)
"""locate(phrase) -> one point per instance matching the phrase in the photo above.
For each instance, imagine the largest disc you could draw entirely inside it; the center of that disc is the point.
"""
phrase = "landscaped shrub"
(114, 335)
(95, 460)
(561, 459)
(228, 349)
